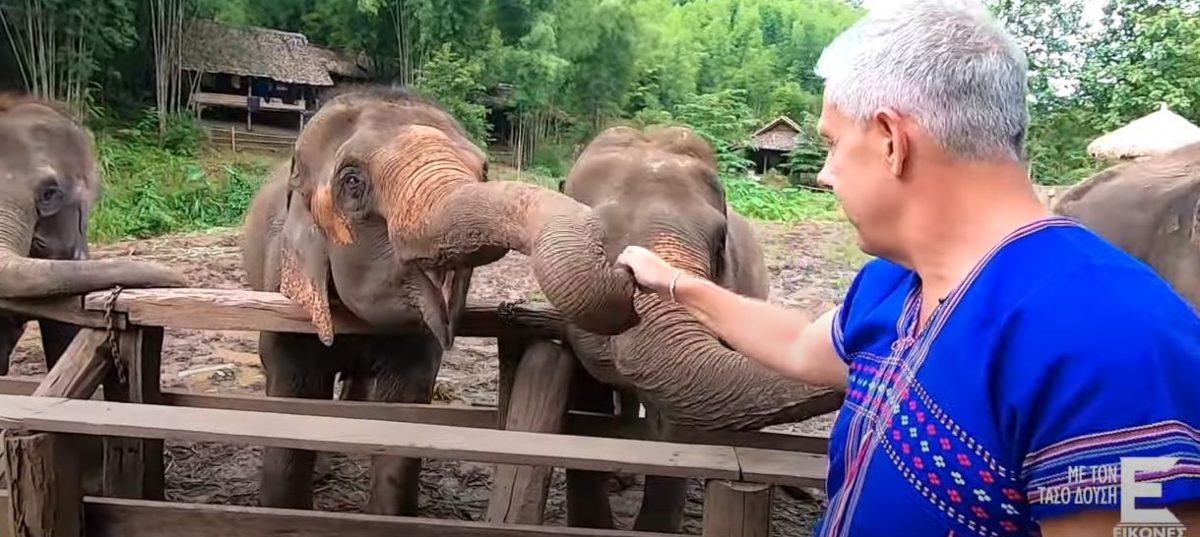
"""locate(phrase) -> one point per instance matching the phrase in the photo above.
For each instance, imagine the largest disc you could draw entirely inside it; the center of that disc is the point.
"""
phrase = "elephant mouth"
(441, 293)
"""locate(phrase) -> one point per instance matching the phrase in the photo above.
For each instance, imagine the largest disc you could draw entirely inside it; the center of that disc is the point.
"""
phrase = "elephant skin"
(1149, 208)
(659, 189)
(385, 208)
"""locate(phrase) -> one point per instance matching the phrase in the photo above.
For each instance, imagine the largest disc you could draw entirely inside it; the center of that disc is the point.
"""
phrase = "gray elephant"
(1149, 208)
(660, 190)
(385, 208)
(50, 184)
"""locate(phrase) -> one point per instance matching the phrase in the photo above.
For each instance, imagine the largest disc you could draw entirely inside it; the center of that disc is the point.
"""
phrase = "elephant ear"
(304, 276)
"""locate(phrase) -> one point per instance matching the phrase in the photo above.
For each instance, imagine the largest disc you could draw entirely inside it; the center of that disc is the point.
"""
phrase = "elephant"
(50, 184)
(1149, 208)
(385, 208)
(659, 189)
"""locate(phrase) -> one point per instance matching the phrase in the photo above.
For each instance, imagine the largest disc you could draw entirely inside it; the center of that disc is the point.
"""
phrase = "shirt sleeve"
(1095, 378)
(840, 319)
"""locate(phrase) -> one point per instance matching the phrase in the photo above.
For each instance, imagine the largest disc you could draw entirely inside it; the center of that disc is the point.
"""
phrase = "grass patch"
(151, 191)
(788, 204)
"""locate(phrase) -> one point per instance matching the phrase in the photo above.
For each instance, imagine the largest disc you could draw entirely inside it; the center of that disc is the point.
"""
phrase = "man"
(994, 356)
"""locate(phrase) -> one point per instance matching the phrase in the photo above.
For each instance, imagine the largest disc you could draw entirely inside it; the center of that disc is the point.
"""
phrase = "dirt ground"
(811, 264)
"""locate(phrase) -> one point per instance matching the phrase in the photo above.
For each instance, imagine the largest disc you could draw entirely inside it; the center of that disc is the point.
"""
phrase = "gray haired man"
(999, 362)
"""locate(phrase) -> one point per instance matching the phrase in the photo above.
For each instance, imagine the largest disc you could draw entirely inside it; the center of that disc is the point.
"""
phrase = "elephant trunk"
(442, 216)
(24, 277)
(696, 380)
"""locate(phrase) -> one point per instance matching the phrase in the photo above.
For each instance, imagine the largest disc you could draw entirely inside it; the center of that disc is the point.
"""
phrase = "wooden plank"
(45, 492)
(782, 467)
(133, 467)
(67, 309)
(110, 517)
(436, 414)
(216, 309)
(234, 309)
(480, 417)
(319, 433)
(5, 529)
(736, 509)
(537, 403)
(80, 370)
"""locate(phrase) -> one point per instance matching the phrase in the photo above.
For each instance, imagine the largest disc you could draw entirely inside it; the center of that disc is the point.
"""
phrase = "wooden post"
(79, 370)
(511, 349)
(133, 467)
(537, 403)
(233, 138)
(736, 509)
(45, 498)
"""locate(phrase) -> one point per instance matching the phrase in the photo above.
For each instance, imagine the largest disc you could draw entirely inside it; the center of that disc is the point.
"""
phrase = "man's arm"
(781, 339)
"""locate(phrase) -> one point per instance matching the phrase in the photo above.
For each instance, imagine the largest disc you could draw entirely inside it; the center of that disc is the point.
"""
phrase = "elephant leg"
(11, 329)
(587, 490)
(56, 337)
(403, 370)
(663, 497)
(296, 365)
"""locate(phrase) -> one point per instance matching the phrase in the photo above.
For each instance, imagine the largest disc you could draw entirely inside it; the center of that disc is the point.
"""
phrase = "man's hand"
(650, 271)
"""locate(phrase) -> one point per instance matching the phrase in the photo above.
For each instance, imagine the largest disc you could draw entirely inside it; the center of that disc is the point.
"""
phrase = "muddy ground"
(811, 264)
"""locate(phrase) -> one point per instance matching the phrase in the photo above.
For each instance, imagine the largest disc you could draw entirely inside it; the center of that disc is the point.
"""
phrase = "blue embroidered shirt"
(1058, 355)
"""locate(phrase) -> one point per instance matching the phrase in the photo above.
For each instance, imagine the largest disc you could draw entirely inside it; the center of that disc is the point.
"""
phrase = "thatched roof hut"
(287, 57)
(769, 146)
(1151, 135)
(779, 135)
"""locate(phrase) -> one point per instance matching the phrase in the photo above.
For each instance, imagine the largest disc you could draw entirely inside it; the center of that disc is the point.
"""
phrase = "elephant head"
(48, 185)
(388, 192)
(660, 190)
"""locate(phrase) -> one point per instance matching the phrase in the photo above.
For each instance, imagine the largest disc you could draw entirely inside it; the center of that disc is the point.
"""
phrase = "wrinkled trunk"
(698, 382)
(441, 215)
(25, 277)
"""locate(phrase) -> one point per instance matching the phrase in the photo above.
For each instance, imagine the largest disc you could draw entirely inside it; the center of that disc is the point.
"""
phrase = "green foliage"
(454, 82)
(150, 190)
(789, 204)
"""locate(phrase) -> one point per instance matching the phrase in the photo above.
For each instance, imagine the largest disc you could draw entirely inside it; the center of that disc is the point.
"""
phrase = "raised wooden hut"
(771, 143)
(258, 70)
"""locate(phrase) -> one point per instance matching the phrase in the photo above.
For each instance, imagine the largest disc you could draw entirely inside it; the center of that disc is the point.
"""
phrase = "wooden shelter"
(771, 143)
(1151, 135)
(253, 69)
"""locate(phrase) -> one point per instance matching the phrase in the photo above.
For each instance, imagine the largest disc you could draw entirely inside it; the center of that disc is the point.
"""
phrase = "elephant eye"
(50, 198)
(353, 183)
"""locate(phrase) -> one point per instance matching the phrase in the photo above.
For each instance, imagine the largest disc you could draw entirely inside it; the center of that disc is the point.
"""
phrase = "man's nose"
(825, 178)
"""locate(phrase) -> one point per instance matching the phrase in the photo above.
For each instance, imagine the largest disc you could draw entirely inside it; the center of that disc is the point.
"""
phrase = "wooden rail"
(113, 517)
(373, 437)
(480, 417)
(232, 309)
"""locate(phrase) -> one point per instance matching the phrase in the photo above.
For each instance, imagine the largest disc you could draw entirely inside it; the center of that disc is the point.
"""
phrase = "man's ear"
(894, 139)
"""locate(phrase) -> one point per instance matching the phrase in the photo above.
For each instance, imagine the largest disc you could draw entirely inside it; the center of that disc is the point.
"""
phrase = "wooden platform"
(239, 101)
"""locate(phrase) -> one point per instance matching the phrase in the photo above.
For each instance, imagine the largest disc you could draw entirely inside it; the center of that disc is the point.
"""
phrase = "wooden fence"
(248, 141)
(116, 396)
